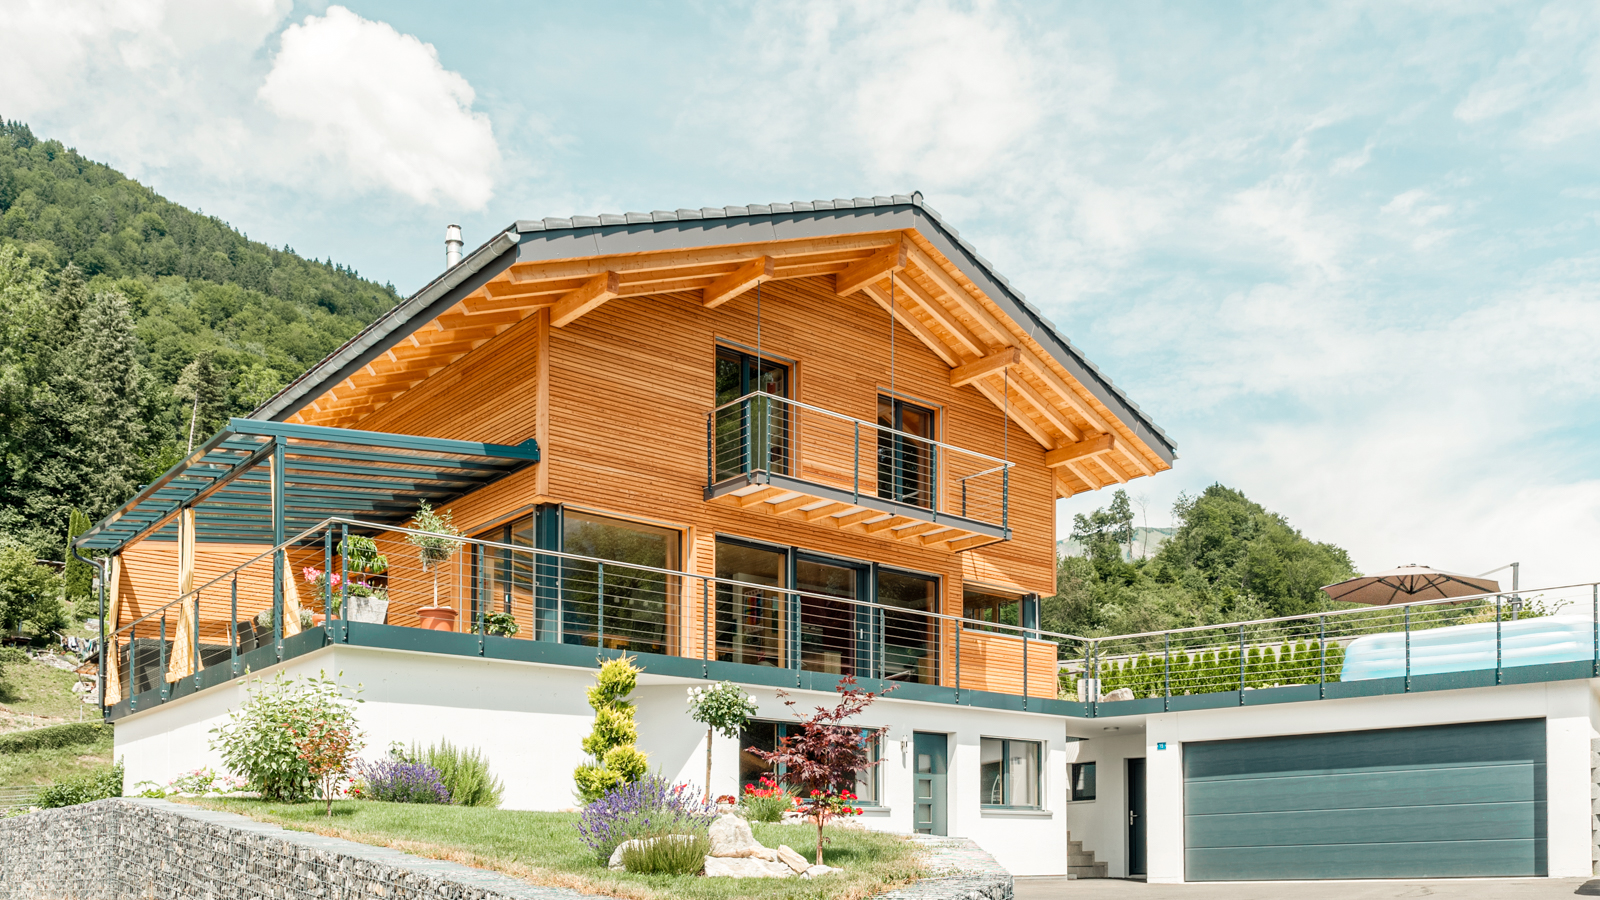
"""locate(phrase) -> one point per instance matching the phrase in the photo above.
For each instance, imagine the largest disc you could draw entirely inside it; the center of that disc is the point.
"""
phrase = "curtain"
(113, 615)
(181, 661)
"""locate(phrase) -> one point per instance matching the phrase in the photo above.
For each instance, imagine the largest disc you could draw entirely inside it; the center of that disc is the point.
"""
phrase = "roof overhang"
(328, 472)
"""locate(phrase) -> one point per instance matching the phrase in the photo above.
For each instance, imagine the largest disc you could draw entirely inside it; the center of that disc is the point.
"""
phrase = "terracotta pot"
(438, 618)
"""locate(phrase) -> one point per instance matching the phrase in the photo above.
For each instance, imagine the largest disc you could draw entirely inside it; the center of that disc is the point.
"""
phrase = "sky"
(1345, 255)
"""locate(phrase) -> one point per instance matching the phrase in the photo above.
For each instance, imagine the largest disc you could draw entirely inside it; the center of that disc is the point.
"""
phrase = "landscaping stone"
(788, 856)
(958, 869)
(817, 871)
(615, 863)
(731, 838)
(1117, 695)
(745, 867)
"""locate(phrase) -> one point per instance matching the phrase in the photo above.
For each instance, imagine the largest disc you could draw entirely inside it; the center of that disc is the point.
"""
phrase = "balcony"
(770, 454)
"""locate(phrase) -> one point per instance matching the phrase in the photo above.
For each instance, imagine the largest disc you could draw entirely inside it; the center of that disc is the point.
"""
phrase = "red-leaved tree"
(821, 761)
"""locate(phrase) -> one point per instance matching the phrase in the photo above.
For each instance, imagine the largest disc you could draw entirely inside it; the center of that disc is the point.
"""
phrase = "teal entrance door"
(932, 782)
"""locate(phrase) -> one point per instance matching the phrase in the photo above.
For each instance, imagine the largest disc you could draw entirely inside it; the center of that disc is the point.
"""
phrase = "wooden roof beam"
(1080, 468)
(1104, 461)
(871, 270)
(595, 291)
(967, 373)
(964, 337)
(960, 297)
(1046, 409)
(1017, 412)
(522, 273)
(731, 285)
(1093, 445)
(915, 326)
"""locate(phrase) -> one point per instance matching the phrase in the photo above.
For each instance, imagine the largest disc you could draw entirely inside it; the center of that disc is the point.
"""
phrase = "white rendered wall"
(1102, 823)
(530, 721)
(1569, 708)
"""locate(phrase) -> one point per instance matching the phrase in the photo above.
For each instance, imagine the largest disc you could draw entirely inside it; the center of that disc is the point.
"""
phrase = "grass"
(544, 848)
(47, 766)
(34, 694)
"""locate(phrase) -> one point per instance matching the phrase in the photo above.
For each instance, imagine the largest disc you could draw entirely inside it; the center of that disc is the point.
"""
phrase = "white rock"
(745, 867)
(816, 871)
(615, 862)
(792, 859)
(731, 838)
(1116, 695)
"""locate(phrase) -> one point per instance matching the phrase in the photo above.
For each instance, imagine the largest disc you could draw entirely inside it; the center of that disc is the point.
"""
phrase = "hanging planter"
(435, 549)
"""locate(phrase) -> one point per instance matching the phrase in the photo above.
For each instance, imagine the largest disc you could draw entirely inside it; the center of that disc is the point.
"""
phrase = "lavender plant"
(397, 781)
(647, 808)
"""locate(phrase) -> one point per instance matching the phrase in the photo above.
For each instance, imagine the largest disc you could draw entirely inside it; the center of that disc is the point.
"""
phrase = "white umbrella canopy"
(1409, 584)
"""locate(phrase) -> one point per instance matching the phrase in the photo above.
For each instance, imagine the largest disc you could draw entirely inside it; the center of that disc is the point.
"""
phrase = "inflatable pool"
(1464, 648)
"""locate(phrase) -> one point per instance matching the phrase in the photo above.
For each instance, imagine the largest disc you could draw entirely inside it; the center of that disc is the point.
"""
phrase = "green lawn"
(50, 765)
(33, 695)
(544, 848)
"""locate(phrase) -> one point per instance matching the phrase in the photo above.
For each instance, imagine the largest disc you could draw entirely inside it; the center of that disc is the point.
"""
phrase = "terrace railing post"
(1241, 665)
(327, 582)
(1595, 670)
(1497, 667)
(959, 629)
(1094, 682)
(705, 628)
(344, 583)
(711, 450)
(161, 647)
(855, 466)
(133, 667)
(1322, 666)
(600, 605)
(1005, 498)
(1408, 647)
(1024, 670)
(1166, 672)
(233, 624)
(194, 641)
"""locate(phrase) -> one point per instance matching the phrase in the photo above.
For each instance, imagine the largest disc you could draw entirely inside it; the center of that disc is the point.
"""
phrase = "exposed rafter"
(738, 281)
(597, 290)
(972, 371)
(872, 269)
(914, 325)
(1093, 445)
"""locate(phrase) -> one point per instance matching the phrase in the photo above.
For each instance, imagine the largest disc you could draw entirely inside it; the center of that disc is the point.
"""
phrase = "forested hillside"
(129, 324)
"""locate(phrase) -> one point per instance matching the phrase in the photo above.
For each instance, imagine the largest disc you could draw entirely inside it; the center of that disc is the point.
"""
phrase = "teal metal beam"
(527, 451)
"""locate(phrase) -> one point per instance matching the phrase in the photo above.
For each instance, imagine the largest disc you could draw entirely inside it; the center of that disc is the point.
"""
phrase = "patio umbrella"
(1409, 584)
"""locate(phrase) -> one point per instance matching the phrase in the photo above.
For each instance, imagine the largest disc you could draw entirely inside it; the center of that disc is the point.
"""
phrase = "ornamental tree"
(611, 744)
(291, 737)
(724, 708)
(822, 758)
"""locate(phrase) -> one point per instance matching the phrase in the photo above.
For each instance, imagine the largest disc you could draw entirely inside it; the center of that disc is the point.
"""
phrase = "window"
(984, 606)
(905, 452)
(908, 637)
(765, 736)
(753, 435)
(750, 619)
(1009, 773)
(827, 626)
(503, 579)
(630, 608)
(1083, 781)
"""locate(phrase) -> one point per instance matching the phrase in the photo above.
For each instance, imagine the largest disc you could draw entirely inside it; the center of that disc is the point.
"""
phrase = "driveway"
(1116, 889)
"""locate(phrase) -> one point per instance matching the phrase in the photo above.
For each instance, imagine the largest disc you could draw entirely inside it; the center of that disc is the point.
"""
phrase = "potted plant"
(367, 569)
(435, 548)
(500, 623)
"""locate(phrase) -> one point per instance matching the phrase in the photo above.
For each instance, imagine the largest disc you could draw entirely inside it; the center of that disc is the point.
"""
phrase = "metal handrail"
(1002, 464)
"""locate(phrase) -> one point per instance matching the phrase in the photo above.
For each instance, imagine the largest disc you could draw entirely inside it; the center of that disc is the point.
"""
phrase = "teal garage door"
(1437, 802)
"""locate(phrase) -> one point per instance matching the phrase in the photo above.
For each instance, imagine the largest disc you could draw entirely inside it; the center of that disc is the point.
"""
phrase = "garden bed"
(545, 848)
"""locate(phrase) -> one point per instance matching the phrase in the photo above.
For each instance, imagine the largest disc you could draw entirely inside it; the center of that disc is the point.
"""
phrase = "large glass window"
(910, 636)
(905, 463)
(765, 736)
(630, 608)
(986, 606)
(1009, 773)
(503, 577)
(750, 615)
(753, 435)
(828, 627)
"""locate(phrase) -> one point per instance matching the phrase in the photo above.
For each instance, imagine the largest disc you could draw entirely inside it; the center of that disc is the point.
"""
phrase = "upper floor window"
(1009, 773)
(988, 606)
(906, 458)
(754, 434)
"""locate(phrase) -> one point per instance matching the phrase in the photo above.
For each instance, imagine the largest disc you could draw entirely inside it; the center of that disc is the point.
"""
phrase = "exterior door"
(753, 435)
(1137, 829)
(1441, 801)
(931, 790)
(906, 470)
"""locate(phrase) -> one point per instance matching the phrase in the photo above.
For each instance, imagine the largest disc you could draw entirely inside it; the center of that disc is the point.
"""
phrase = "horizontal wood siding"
(993, 662)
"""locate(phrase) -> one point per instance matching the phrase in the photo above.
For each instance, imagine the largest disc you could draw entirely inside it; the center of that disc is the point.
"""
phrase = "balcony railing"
(778, 455)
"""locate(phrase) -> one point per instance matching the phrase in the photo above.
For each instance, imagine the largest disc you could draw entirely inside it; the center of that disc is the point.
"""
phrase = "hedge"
(1218, 670)
(55, 736)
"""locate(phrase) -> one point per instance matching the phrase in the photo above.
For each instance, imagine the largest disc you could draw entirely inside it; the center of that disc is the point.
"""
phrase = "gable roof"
(579, 237)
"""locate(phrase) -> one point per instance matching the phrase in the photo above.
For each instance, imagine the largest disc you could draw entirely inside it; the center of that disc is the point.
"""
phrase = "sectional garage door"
(1443, 801)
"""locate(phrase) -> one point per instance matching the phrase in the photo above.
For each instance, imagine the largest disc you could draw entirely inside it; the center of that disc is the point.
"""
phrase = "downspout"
(95, 564)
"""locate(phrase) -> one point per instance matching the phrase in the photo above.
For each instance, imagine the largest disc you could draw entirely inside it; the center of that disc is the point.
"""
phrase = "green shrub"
(11, 656)
(261, 739)
(616, 761)
(464, 773)
(55, 737)
(100, 785)
(668, 854)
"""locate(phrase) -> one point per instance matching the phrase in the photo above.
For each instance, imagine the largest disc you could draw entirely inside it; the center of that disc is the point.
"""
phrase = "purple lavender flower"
(649, 807)
(404, 782)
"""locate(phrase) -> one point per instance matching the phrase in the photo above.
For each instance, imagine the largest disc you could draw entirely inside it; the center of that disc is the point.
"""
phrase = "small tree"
(611, 744)
(434, 550)
(724, 708)
(291, 736)
(825, 755)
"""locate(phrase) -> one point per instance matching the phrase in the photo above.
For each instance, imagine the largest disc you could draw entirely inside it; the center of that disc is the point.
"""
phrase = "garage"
(1435, 802)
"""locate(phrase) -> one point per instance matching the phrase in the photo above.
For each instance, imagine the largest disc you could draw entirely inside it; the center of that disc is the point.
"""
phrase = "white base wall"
(530, 721)
(1570, 710)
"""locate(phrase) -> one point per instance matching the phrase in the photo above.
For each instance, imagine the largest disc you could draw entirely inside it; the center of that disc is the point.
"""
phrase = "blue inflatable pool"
(1464, 648)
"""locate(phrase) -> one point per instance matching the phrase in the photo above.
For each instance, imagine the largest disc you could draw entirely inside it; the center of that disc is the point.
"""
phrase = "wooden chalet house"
(771, 444)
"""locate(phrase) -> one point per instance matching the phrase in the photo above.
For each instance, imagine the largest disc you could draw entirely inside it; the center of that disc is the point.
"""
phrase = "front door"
(932, 782)
(1136, 818)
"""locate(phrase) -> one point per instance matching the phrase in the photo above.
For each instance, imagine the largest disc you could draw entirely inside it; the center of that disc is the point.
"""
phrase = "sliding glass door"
(827, 626)
(753, 435)
(752, 614)
(623, 607)
(906, 459)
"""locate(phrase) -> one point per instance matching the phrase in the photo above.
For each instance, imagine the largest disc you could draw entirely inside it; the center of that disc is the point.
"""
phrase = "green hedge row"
(69, 735)
(1219, 670)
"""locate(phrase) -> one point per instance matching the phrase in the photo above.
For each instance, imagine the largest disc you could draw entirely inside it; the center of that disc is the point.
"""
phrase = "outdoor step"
(1075, 847)
(1098, 870)
(1080, 859)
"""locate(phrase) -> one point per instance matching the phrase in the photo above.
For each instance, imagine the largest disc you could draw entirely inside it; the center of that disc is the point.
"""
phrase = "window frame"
(872, 773)
(1006, 776)
(1073, 794)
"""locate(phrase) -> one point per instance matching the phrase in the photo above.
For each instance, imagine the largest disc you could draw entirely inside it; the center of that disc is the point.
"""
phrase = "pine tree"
(104, 401)
(205, 386)
(78, 576)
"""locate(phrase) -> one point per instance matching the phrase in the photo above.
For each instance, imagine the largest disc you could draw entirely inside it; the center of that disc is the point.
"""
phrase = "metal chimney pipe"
(452, 246)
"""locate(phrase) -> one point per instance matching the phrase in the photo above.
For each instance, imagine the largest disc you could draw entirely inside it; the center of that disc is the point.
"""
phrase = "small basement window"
(1083, 781)
(1009, 773)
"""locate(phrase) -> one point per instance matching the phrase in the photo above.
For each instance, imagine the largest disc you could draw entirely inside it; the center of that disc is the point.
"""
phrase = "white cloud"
(380, 104)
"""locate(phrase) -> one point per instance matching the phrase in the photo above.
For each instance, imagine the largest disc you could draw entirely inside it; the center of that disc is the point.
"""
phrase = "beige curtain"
(113, 614)
(291, 599)
(182, 662)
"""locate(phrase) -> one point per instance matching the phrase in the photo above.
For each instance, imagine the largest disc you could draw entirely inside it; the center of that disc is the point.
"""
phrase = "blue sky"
(1345, 255)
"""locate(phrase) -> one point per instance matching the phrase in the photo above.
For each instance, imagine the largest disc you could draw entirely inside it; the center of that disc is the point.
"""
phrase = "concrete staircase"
(1080, 862)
